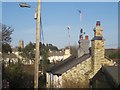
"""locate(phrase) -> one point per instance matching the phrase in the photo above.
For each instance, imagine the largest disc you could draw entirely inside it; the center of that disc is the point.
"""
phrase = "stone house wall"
(75, 77)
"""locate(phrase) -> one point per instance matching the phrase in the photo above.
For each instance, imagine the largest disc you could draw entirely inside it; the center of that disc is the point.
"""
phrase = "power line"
(42, 34)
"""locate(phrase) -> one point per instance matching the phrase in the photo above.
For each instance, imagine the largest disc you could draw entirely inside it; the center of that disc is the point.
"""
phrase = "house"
(76, 71)
(57, 56)
(66, 53)
(106, 77)
(15, 51)
(23, 60)
(9, 58)
(117, 60)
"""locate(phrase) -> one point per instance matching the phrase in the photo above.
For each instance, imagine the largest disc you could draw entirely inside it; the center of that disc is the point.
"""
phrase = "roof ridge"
(67, 64)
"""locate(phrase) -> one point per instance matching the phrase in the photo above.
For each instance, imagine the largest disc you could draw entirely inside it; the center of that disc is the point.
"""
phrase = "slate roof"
(6, 55)
(97, 38)
(15, 49)
(112, 74)
(67, 64)
(56, 53)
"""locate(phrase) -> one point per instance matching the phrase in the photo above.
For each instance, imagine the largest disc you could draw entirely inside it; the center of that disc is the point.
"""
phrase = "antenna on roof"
(68, 28)
(81, 30)
(80, 19)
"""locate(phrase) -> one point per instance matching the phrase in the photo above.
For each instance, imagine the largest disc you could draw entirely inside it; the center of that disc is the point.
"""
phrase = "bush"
(17, 77)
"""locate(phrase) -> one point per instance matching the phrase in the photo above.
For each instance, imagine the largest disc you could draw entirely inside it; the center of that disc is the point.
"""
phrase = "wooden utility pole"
(37, 54)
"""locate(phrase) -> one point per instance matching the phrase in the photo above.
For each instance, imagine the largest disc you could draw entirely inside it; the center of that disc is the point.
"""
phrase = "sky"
(56, 16)
(61, 0)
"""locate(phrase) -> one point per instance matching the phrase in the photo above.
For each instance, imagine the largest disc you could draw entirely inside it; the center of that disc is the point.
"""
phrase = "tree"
(6, 33)
(52, 47)
(29, 51)
(6, 48)
(17, 76)
(112, 53)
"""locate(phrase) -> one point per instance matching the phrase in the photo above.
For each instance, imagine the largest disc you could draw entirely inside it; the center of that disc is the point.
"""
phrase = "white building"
(55, 56)
(9, 58)
(66, 53)
(15, 51)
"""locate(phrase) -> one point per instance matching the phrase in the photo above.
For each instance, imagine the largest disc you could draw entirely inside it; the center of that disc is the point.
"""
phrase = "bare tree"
(5, 38)
(5, 33)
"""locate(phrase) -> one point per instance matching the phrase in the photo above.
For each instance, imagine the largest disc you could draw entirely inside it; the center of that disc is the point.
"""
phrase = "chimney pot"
(98, 23)
(86, 37)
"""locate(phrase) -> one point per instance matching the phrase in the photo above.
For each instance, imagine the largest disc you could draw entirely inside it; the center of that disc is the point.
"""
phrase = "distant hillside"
(113, 53)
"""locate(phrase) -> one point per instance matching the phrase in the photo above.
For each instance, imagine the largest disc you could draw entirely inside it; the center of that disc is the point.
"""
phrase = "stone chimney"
(83, 46)
(98, 48)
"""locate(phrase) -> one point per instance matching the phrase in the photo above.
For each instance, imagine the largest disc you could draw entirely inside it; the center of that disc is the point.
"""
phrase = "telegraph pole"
(37, 54)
